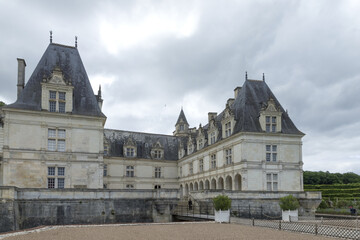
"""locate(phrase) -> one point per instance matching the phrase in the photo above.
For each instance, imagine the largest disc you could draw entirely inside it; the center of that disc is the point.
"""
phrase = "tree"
(2, 103)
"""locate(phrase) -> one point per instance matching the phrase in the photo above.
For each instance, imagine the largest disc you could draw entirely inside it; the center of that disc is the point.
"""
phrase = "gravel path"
(176, 231)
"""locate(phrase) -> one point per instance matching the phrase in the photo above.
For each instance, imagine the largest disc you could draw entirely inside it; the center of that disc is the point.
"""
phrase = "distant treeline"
(318, 178)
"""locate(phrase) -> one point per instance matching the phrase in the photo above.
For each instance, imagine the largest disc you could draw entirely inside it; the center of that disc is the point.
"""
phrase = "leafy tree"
(2, 103)
(318, 178)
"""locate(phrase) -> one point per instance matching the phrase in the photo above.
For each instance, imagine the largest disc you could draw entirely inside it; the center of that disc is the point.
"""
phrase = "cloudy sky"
(154, 57)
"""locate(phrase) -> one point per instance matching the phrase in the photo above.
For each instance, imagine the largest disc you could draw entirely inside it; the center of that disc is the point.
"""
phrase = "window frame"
(56, 177)
(271, 152)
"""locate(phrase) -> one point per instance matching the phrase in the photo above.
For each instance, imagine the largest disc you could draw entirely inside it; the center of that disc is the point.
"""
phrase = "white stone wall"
(249, 163)
(26, 157)
(144, 173)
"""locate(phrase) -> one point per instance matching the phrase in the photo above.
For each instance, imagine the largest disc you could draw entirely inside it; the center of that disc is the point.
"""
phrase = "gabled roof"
(69, 61)
(181, 116)
(144, 143)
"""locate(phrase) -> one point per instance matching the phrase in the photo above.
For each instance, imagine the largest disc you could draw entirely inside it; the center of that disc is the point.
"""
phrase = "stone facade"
(53, 136)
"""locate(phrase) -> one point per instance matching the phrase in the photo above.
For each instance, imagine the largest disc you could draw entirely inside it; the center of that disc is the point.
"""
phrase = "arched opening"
(238, 182)
(207, 184)
(157, 187)
(201, 185)
(228, 183)
(213, 184)
(186, 189)
(196, 186)
(191, 187)
(220, 183)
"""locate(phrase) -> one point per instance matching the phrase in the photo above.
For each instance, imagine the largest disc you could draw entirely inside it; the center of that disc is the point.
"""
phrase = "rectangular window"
(52, 106)
(61, 182)
(61, 107)
(57, 98)
(51, 182)
(191, 168)
(56, 140)
(157, 172)
(130, 152)
(270, 125)
(61, 171)
(62, 96)
(56, 177)
(180, 171)
(105, 170)
(228, 129)
(212, 138)
(271, 153)
(190, 148)
(201, 165)
(157, 154)
(272, 182)
(51, 171)
(105, 150)
(200, 144)
(228, 156)
(52, 94)
(129, 171)
(213, 160)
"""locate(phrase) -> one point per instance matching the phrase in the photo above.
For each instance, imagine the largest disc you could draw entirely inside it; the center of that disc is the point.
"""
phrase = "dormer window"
(157, 152)
(130, 152)
(227, 122)
(56, 93)
(182, 127)
(228, 129)
(190, 148)
(130, 148)
(200, 143)
(57, 101)
(212, 137)
(270, 117)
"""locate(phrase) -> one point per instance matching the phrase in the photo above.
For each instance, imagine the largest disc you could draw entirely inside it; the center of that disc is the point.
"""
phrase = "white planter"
(222, 216)
(290, 215)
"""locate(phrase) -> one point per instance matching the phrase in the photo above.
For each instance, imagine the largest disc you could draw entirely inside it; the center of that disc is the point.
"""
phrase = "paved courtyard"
(173, 231)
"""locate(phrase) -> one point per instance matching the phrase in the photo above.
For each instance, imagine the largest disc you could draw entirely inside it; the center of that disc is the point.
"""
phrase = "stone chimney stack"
(236, 92)
(99, 99)
(21, 76)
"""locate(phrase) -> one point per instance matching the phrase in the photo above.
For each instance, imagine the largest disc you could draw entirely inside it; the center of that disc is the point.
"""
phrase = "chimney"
(236, 91)
(211, 115)
(230, 101)
(21, 76)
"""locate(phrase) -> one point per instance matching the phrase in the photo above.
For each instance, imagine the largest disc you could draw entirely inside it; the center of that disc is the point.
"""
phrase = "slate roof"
(69, 61)
(253, 95)
(144, 143)
(181, 116)
(251, 98)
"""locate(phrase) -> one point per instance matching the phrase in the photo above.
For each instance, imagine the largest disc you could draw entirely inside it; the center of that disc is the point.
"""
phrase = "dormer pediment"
(157, 145)
(270, 106)
(130, 142)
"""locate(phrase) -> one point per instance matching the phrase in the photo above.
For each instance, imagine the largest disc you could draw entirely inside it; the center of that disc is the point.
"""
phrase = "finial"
(50, 36)
(99, 92)
(264, 77)
(246, 75)
(76, 41)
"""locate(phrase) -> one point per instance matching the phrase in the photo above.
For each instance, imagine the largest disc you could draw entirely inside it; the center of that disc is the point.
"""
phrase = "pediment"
(57, 77)
(271, 107)
(157, 145)
(130, 142)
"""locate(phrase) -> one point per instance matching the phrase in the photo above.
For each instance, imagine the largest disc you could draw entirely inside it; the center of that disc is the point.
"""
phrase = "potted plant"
(222, 205)
(289, 206)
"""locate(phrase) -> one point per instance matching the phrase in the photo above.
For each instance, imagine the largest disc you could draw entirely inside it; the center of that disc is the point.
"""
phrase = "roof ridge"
(156, 134)
(62, 45)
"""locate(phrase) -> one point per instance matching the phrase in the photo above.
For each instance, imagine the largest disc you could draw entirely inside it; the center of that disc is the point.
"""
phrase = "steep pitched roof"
(181, 116)
(247, 106)
(69, 61)
(144, 143)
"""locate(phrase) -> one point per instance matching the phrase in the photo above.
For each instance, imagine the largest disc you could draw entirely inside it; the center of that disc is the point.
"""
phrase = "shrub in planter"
(222, 202)
(289, 206)
(222, 205)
